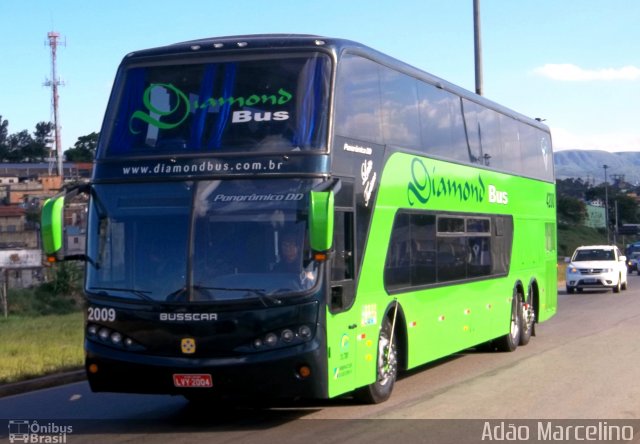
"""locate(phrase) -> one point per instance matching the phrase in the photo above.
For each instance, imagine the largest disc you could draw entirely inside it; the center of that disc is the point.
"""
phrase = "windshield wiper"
(262, 294)
(142, 294)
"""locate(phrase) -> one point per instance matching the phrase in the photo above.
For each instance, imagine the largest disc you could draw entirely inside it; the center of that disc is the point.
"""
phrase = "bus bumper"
(274, 374)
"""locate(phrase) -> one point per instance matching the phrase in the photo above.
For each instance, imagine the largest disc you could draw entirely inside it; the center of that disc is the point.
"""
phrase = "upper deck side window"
(263, 104)
(381, 104)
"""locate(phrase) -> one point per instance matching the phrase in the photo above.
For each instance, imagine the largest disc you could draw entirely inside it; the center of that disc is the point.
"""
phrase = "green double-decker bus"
(305, 217)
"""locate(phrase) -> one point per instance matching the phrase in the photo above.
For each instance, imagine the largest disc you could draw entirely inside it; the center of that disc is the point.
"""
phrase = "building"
(23, 189)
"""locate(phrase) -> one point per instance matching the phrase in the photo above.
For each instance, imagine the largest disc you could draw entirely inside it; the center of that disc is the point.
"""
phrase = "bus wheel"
(386, 369)
(510, 341)
(528, 320)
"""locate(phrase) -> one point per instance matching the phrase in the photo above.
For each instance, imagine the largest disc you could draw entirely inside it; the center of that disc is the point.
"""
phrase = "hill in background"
(587, 165)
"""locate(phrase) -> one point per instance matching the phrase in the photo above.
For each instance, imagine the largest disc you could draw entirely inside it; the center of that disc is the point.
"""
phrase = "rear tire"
(386, 368)
(528, 320)
(510, 341)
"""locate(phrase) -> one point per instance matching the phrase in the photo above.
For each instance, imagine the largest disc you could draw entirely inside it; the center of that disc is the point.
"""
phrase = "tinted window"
(439, 117)
(536, 152)
(399, 109)
(378, 104)
(491, 140)
(474, 131)
(271, 104)
(357, 109)
(462, 247)
(511, 154)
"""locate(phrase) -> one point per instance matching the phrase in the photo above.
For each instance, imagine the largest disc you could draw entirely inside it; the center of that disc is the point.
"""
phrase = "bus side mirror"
(321, 211)
(51, 223)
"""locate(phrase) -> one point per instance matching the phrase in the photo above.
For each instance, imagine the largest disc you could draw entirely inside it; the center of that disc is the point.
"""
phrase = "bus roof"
(261, 42)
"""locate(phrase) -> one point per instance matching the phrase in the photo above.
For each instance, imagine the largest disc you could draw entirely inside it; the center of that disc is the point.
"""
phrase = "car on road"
(597, 266)
(632, 262)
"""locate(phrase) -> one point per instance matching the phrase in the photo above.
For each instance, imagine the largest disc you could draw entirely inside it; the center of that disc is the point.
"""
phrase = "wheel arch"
(518, 289)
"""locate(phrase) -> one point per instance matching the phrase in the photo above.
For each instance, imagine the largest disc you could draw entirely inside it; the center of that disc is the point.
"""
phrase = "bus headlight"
(271, 340)
(116, 337)
(287, 335)
(304, 332)
(103, 333)
(111, 337)
(284, 337)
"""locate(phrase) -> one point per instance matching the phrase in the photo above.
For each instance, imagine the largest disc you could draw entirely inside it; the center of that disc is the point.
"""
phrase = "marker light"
(116, 337)
(304, 332)
(287, 335)
(103, 334)
(304, 371)
(320, 257)
(271, 339)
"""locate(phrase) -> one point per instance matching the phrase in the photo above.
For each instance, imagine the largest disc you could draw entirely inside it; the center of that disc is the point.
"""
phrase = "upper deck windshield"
(206, 241)
(266, 104)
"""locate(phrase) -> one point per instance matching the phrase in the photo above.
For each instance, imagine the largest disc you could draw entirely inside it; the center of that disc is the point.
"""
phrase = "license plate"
(590, 281)
(192, 381)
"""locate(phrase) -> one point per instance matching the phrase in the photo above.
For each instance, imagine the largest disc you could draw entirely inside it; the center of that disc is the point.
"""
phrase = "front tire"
(386, 368)
(616, 289)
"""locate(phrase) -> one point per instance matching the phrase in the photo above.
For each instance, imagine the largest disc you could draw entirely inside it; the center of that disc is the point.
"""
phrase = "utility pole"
(477, 46)
(606, 201)
(53, 38)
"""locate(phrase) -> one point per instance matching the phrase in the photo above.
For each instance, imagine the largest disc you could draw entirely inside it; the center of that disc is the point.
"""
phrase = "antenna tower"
(53, 42)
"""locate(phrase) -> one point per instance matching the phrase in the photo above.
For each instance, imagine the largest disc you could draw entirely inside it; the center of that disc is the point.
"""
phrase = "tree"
(571, 210)
(22, 146)
(84, 149)
(16, 143)
(4, 134)
(572, 187)
(37, 150)
(627, 210)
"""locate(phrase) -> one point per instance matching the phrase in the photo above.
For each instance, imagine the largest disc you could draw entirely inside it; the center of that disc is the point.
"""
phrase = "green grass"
(37, 346)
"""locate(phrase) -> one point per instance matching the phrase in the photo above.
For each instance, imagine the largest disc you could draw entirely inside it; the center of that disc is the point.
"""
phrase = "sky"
(574, 63)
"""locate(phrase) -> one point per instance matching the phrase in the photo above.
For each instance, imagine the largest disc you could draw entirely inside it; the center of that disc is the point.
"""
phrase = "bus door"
(342, 321)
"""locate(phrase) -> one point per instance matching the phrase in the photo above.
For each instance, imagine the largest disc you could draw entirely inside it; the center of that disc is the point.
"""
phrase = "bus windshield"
(206, 241)
(265, 104)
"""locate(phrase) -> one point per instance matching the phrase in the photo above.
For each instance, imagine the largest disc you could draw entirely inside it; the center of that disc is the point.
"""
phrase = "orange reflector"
(93, 368)
(51, 259)
(320, 257)
(304, 371)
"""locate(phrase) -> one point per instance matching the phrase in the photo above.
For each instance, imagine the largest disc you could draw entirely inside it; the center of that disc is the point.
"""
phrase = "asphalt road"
(582, 365)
